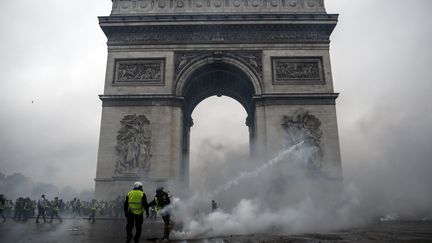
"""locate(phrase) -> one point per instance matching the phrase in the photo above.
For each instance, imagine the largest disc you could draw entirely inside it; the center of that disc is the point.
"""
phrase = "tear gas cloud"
(18, 185)
(386, 177)
(279, 196)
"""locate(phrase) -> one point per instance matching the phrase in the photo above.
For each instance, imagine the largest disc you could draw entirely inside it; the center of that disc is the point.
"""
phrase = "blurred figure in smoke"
(161, 201)
(153, 213)
(2, 207)
(19, 207)
(93, 210)
(8, 208)
(27, 209)
(41, 205)
(134, 206)
(55, 207)
(214, 205)
(76, 207)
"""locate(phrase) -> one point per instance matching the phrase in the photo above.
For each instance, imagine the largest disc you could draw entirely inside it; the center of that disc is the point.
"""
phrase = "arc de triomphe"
(166, 56)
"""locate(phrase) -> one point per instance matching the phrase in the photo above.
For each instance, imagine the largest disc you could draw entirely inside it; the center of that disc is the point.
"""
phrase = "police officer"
(134, 207)
(161, 201)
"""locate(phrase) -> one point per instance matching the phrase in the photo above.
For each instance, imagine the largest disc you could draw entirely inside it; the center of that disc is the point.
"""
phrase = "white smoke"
(300, 202)
(256, 172)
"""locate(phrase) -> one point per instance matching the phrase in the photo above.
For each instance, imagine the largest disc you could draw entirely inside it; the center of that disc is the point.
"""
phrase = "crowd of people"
(133, 206)
(24, 208)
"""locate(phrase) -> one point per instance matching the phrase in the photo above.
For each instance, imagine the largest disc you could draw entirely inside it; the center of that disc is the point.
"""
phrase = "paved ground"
(112, 230)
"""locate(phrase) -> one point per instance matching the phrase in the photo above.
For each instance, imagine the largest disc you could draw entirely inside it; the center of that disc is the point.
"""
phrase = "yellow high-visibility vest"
(94, 206)
(158, 206)
(135, 202)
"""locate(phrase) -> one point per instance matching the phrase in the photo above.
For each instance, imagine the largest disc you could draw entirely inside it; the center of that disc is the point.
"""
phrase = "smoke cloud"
(18, 185)
(386, 163)
(279, 196)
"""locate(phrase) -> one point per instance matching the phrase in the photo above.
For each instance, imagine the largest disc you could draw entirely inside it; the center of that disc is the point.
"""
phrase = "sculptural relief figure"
(133, 145)
(139, 71)
(302, 126)
(132, 153)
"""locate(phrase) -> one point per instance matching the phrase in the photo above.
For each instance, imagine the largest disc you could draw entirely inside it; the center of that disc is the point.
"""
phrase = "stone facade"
(166, 56)
(121, 7)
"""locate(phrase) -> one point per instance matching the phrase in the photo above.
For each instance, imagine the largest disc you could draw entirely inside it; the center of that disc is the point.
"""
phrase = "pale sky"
(53, 57)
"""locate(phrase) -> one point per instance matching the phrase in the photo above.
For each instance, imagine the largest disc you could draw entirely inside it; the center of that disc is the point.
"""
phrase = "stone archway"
(163, 59)
(215, 77)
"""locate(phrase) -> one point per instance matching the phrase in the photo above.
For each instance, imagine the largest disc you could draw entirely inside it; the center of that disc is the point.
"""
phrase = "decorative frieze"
(201, 34)
(251, 59)
(296, 70)
(139, 71)
(215, 6)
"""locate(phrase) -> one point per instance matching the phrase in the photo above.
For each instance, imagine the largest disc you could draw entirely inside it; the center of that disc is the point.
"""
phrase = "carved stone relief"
(252, 59)
(215, 6)
(297, 71)
(140, 71)
(219, 34)
(302, 126)
(134, 145)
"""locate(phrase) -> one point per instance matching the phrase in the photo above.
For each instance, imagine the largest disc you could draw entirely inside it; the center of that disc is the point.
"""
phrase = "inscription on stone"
(297, 71)
(219, 34)
(141, 71)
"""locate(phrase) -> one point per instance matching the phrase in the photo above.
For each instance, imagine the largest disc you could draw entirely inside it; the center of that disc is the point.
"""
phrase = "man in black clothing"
(134, 207)
(214, 206)
(161, 201)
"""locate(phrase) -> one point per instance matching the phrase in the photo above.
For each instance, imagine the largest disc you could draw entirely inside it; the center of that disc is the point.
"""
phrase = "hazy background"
(52, 66)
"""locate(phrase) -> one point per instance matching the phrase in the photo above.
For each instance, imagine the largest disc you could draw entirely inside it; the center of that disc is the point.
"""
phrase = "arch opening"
(215, 79)
(218, 79)
(218, 142)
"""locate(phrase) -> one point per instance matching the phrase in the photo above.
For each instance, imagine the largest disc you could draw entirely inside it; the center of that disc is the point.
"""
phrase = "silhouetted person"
(93, 211)
(162, 200)
(2, 207)
(55, 208)
(214, 206)
(27, 208)
(41, 204)
(134, 207)
(19, 208)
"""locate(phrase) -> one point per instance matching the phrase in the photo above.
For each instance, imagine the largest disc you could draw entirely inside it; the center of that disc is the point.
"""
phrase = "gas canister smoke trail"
(205, 225)
(254, 173)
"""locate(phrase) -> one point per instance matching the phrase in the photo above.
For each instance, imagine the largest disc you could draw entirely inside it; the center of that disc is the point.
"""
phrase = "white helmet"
(137, 185)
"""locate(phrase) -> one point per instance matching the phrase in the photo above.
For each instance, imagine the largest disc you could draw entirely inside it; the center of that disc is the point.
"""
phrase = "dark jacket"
(162, 198)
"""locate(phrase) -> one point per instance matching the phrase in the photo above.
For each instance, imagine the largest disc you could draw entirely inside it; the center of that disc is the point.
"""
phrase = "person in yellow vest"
(161, 201)
(55, 208)
(134, 207)
(93, 208)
